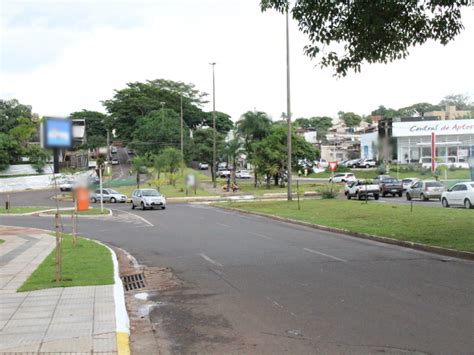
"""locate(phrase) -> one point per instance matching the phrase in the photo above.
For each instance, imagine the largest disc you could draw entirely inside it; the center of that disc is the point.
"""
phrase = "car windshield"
(406, 180)
(150, 193)
(390, 181)
(434, 184)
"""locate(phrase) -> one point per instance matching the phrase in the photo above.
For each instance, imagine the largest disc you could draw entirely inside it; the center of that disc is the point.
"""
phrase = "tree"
(320, 124)
(137, 167)
(232, 150)
(202, 146)
(370, 31)
(385, 112)
(462, 102)
(223, 122)
(253, 127)
(10, 148)
(351, 119)
(96, 141)
(24, 129)
(170, 159)
(158, 130)
(270, 154)
(139, 99)
(38, 157)
(10, 111)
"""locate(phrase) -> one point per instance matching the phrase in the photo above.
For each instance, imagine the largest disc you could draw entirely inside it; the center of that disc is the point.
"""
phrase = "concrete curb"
(43, 214)
(122, 322)
(402, 243)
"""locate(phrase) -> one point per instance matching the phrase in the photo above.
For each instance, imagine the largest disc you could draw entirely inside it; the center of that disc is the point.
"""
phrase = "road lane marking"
(223, 225)
(135, 215)
(326, 255)
(205, 257)
(261, 236)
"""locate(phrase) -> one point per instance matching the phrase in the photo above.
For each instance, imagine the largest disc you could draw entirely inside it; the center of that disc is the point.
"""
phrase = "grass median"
(90, 212)
(22, 209)
(447, 228)
(87, 264)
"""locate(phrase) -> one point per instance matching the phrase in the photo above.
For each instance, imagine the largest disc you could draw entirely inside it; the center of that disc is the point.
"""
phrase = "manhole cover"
(133, 282)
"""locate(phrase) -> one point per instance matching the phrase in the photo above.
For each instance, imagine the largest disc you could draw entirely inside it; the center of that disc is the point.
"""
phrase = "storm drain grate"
(133, 282)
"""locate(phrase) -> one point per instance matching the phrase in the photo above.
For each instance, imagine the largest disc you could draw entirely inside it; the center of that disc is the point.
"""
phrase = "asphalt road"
(253, 285)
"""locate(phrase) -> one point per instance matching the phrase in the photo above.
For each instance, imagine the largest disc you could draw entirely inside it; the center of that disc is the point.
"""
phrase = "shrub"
(339, 169)
(381, 169)
(327, 191)
(423, 170)
(452, 167)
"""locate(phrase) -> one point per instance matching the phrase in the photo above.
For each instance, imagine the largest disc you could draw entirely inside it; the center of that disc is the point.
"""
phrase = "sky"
(65, 56)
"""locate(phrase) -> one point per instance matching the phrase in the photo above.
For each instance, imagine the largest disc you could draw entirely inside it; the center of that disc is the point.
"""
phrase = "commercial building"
(454, 141)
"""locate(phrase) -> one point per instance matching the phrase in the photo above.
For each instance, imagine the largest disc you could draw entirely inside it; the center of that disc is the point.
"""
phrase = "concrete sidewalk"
(71, 320)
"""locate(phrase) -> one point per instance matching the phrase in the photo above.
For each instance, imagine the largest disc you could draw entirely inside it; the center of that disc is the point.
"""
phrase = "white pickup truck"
(360, 189)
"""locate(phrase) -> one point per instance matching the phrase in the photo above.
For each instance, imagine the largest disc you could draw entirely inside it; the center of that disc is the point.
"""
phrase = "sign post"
(332, 166)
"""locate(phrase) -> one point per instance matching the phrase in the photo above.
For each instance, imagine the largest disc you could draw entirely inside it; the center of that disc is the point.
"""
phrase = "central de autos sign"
(425, 128)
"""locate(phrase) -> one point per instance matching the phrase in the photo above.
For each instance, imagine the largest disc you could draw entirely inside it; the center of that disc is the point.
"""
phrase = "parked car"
(108, 195)
(148, 198)
(342, 177)
(67, 184)
(321, 163)
(391, 186)
(366, 163)
(242, 174)
(130, 151)
(461, 194)
(203, 166)
(407, 182)
(378, 179)
(362, 189)
(113, 150)
(354, 163)
(115, 161)
(425, 190)
(223, 172)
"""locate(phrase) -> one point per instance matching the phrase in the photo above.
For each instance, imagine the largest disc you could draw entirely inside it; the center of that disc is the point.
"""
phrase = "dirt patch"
(145, 337)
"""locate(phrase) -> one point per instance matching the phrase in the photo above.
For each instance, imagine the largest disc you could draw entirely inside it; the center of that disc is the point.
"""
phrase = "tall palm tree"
(232, 150)
(253, 127)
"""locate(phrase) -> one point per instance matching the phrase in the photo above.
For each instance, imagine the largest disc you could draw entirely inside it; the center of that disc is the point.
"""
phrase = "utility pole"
(182, 145)
(213, 127)
(288, 104)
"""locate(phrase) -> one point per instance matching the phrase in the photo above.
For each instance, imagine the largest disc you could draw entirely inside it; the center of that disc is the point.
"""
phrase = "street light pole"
(213, 126)
(288, 105)
(182, 149)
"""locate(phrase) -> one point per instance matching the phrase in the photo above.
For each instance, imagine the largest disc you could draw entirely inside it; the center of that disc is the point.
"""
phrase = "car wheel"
(143, 206)
(133, 206)
(423, 197)
(359, 196)
(348, 196)
(163, 207)
(467, 203)
(445, 203)
(93, 200)
(367, 166)
(400, 194)
(376, 196)
(408, 197)
(113, 200)
(384, 194)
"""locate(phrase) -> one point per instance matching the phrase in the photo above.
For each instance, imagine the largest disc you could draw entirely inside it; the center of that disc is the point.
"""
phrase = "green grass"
(88, 264)
(2, 241)
(22, 209)
(448, 228)
(90, 212)
(249, 188)
(458, 174)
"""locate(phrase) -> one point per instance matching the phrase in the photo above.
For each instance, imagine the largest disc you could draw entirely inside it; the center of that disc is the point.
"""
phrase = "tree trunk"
(255, 178)
(276, 177)
(138, 179)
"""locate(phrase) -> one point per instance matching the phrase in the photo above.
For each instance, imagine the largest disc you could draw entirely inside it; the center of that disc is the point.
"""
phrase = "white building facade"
(454, 141)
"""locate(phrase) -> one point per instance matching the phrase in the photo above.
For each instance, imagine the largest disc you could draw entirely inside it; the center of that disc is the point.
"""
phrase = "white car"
(203, 166)
(148, 198)
(67, 184)
(223, 173)
(242, 174)
(362, 190)
(461, 194)
(407, 182)
(367, 163)
(321, 163)
(115, 161)
(342, 177)
(114, 150)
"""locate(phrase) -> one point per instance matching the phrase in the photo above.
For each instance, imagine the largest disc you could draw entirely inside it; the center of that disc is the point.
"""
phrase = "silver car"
(425, 190)
(148, 198)
(108, 195)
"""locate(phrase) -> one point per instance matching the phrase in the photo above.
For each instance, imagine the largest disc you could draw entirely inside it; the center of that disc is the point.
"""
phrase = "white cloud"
(177, 40)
